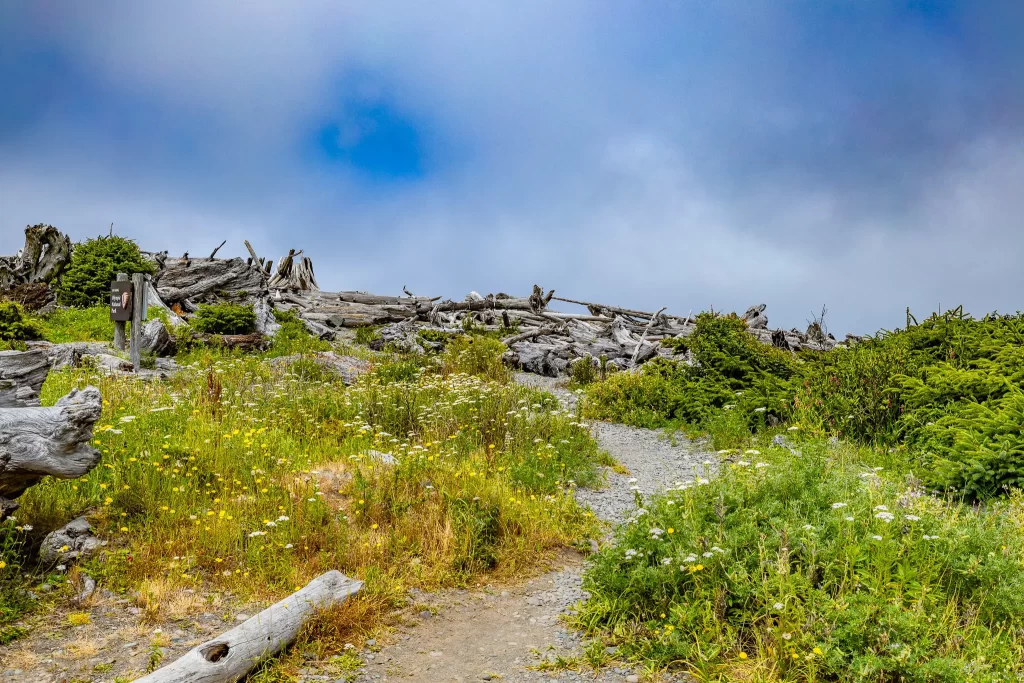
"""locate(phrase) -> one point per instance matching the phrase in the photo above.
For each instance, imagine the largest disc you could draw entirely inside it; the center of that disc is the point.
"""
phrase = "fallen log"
(533, 334)
(35, 442)
(234, 654)
(209, 281)
(22, 374)
(241, 342)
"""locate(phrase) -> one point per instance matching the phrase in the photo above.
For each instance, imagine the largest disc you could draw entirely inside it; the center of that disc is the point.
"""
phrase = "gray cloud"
(724, 156)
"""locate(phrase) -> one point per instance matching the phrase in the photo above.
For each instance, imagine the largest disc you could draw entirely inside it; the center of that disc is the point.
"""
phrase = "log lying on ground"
(188, 282)
(22, 374)
(35, 442)
(233, 655)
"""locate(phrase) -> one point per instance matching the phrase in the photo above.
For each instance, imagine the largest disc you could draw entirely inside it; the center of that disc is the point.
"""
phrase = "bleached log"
(234, 654)
(643, 337)
(209, 280)
(22, 374)
(488, 302)
(35, 442)
(533, 334)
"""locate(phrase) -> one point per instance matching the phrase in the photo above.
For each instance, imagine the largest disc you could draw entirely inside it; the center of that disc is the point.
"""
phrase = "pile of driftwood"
(540, 339)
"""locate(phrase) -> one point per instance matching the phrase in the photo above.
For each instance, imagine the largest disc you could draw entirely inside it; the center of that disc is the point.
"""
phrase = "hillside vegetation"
(893, 553)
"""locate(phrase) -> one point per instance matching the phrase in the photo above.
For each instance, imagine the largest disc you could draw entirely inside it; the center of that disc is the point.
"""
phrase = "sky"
(859, 155)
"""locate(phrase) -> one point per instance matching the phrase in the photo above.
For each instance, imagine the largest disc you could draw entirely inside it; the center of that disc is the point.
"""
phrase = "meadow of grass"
(814, 567)
(896, 554)
(238, 475)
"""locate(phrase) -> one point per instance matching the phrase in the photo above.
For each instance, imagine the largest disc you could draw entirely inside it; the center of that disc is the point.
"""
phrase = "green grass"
(236, 475)
(815, 568)
(84, 324)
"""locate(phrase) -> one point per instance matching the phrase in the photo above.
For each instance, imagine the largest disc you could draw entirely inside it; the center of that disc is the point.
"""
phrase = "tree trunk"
(35, 442)
(232, 656)
(47, 252)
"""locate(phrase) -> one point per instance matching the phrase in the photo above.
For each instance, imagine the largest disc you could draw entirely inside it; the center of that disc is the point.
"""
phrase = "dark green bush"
(224, 319)
(732, 368)
(14, 324)
(94, 264)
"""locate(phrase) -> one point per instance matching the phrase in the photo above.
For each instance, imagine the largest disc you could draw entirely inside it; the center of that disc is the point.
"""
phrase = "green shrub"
(813, 569)
(94, 264)
(475, 356)
(224, 319)
(293, 337)
(365, 335)
(732, 368)
(15, 325)
(583, 371)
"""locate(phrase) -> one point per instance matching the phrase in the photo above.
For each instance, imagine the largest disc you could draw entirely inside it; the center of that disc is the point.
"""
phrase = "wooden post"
(119, 324)
(138, 309)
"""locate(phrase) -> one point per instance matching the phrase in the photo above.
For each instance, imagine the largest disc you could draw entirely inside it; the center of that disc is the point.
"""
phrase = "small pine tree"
(94, 264)
(224, 319)
(14, 324)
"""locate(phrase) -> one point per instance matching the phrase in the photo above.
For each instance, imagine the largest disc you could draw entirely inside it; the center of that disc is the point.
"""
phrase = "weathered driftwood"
(22, 374)
(234, 654)
(643, 337)
(188, 282)
(44, 257)
(35, 442)
(294, 272)
(242, 342)
(532, 334)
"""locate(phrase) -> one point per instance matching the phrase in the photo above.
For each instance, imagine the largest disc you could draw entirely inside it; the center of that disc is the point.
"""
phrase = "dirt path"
(506, 634)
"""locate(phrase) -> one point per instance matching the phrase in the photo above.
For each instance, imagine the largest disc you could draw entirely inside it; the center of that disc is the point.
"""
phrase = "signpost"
(128, 301)
(120, 307)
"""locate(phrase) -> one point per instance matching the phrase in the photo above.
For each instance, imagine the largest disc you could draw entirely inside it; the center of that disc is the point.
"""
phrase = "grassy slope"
(236, 475)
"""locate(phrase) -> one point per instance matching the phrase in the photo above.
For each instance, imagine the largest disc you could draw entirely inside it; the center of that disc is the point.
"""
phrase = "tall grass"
(238, 475)
(815, 568)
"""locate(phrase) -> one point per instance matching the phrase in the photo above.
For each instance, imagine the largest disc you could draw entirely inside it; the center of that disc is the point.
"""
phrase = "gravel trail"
(504, 633)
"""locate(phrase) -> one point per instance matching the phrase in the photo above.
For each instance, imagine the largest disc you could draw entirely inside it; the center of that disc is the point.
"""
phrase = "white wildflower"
(884, 516)
(778, 605)
(836, 506)
(913, 518)
(877, 538)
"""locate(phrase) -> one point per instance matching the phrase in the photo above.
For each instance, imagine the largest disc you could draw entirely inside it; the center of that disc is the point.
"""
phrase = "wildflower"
(282, 518)
(27, 527)
(877, 538)
(884, 516)
(254, 534)
(751, 451)
(881, 508)
(787, 636)
(817, 651)
(630, 554)
(665, 561)
(2, 564)
(778, 605)
(656, 533)
(794, 428)
(708, 555)
(848, 519)
(743, 655)
(808, 527)
(912, 518)
(836, 506)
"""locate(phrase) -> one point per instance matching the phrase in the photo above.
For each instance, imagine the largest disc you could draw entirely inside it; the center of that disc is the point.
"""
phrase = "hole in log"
(214, 652)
